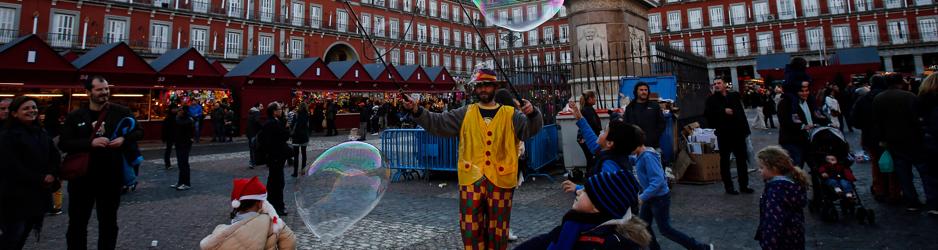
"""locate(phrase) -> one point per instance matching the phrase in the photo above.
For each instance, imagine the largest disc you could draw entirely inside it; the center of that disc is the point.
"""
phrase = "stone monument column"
(608, 41)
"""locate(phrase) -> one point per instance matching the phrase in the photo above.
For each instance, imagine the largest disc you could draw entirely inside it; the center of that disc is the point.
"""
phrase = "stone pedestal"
(609, 40)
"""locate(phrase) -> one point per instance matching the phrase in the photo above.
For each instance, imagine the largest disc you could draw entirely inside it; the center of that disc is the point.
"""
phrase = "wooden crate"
(705, 169)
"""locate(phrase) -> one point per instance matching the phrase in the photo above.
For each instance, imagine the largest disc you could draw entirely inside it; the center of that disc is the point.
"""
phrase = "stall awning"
(384, 77)
(220, 68)
(186, 68)
(118, 63)
(415, 78)
(772, 61)
(266, 68)
(349, 71)
(29, 61)
(866, 55)
(442, 80)
(313, 73)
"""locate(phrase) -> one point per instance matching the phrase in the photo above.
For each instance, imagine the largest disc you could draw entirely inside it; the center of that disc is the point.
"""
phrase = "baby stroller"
(826, 141)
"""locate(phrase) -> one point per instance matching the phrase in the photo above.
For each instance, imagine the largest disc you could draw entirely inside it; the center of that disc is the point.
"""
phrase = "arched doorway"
(340, 52)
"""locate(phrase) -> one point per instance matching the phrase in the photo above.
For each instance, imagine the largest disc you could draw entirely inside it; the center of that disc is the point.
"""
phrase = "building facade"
(731, 34)
(425, 32)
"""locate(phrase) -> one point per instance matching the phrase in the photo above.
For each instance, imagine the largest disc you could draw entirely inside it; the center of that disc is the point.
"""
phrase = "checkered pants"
(484, 213)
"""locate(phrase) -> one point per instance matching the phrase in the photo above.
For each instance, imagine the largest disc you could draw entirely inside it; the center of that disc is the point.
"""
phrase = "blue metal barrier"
(416, 152)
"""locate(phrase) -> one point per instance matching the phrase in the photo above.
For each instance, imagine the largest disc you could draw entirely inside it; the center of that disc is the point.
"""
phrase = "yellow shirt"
(488, 149)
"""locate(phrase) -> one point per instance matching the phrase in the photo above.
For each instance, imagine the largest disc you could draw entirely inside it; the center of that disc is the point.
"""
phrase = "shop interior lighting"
(7, 95)
(12, 83)
(128, 95)
(44, 95)
(79, 95)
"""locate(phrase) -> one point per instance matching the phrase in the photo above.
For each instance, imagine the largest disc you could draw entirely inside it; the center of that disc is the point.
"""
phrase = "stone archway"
(340, 51)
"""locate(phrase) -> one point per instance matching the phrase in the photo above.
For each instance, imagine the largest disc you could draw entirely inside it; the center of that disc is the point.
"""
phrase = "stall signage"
(31, 56)
(191, 65)
(120, 61)
(317, 71)
(273, 69)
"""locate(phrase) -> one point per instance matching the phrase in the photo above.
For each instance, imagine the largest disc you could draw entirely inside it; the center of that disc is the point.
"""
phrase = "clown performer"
(489, 134)
(254, 222)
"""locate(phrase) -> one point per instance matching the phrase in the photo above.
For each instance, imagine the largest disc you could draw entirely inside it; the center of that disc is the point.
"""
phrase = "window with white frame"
(892, 4)
(469, 64)
(234, 8)
(741, 45)
(198, 39)
(698, 47)
(297, 18)
(922, 2)
(200, 6)
(421, 6)
(445, 34)
(478, 42)
(719, 47)
(810, 8)
(475, 18)
(898, 31)
(532, 37)
(760, 11)
(434, 35)
(837, 6)
(457, 63)
(467, 39)
(456, 13)
(433, 6)
(422, 59)
(457, 38)
(562, 12)
(549, 34)
(766, 44)
(434, 59)
(392, 4)
(395, 57)
(116, 29)
(674, 21)
(421, 32)
(408, 31)
(677, 45)
(408, 56)
(516, 15)
(503, 40)
(716, 16)
(232, 45)
(159, 37)
(444, 10)
(447, 61)
(695, 18)
(265, 44)
(654, 23)
(366, 23)
(63, 28)
(532, 12)
(841, 36)
(566, 57)
(535, 60)
(296, 48)
(815, 38)
(249, 14)
(267, 10)
(379, 26)
(519, 61)
(564, 31)
(869, 34)
(549, 58)
(407, 6)
(395, 32)
(315, 16)
(786, 9)
(928, 29)
(864, 5)
(738, 14)
(790, 40)
(341, 20)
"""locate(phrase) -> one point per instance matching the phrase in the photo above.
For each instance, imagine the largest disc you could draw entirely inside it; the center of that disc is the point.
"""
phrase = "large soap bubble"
(342, 186)
(518, 15)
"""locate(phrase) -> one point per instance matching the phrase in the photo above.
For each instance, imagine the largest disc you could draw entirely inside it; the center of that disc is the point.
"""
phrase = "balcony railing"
(7, 35)
(726, 52)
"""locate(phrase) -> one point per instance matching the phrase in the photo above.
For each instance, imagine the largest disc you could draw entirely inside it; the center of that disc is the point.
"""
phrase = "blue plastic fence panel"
(543, 148)
(665, 86)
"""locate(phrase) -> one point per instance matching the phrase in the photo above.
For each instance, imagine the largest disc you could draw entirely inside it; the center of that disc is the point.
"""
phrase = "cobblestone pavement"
(418, 214)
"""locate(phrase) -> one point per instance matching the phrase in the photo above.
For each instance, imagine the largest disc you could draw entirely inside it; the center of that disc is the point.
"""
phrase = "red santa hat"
(253, 189)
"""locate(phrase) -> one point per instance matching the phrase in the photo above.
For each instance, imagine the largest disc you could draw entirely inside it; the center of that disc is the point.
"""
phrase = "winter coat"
(837, 171)
(592, 118)
(736, 125)
(791, 122)
(185, 129)
(929, 109)
(331, 110)
(274, 140)
(896, 122)
(254, 122)
(588, 231)
(106, 166)
(365, 114)
(781, 217)
(28, 155)
(769, 108)
(218, 115)
(169, 128)
(251, 233)
(862, 118)
(300, 128)
(649, 117)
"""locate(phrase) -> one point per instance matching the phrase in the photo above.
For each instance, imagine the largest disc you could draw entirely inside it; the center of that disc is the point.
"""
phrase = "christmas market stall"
(31, 68)
(186, 78)
(258, 79)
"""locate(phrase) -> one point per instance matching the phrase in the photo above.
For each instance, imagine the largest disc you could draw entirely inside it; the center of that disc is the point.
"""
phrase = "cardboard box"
(705, 169)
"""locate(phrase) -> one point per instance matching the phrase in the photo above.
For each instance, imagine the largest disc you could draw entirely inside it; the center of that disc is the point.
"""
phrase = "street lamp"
(511, 38)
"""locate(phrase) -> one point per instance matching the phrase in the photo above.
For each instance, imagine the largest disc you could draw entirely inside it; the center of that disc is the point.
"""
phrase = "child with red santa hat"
(254, 222)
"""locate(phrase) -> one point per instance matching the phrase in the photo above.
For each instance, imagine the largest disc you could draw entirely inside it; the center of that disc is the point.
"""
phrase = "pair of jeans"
(659, 208)
(903, 168)
(198, 128)
(736, 146)
(275, 184)
(16, 231)
(182, 159)
(362, 130)
(298, 150)
(330, 127)
(252, 145)
(219, 131)
(85, 195)
(843, 184)
(169, 151)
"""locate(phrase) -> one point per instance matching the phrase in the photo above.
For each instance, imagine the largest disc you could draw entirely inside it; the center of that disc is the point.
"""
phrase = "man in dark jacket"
(895, 121)
(254, 126)
(274, 143)
(724, 112)
(646, 114)
(364, 118)
(331, 110)
(100, 188)
(168, 134)
(218, 122)
(885, 186)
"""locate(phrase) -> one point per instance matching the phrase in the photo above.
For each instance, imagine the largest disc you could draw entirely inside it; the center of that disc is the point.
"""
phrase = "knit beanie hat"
(613, 193)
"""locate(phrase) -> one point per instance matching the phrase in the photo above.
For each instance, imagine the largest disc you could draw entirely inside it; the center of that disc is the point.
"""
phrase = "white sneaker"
(183, 187)
(512, 236)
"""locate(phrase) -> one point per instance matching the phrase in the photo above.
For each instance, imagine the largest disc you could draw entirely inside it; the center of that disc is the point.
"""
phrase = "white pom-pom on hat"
(235, 204)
